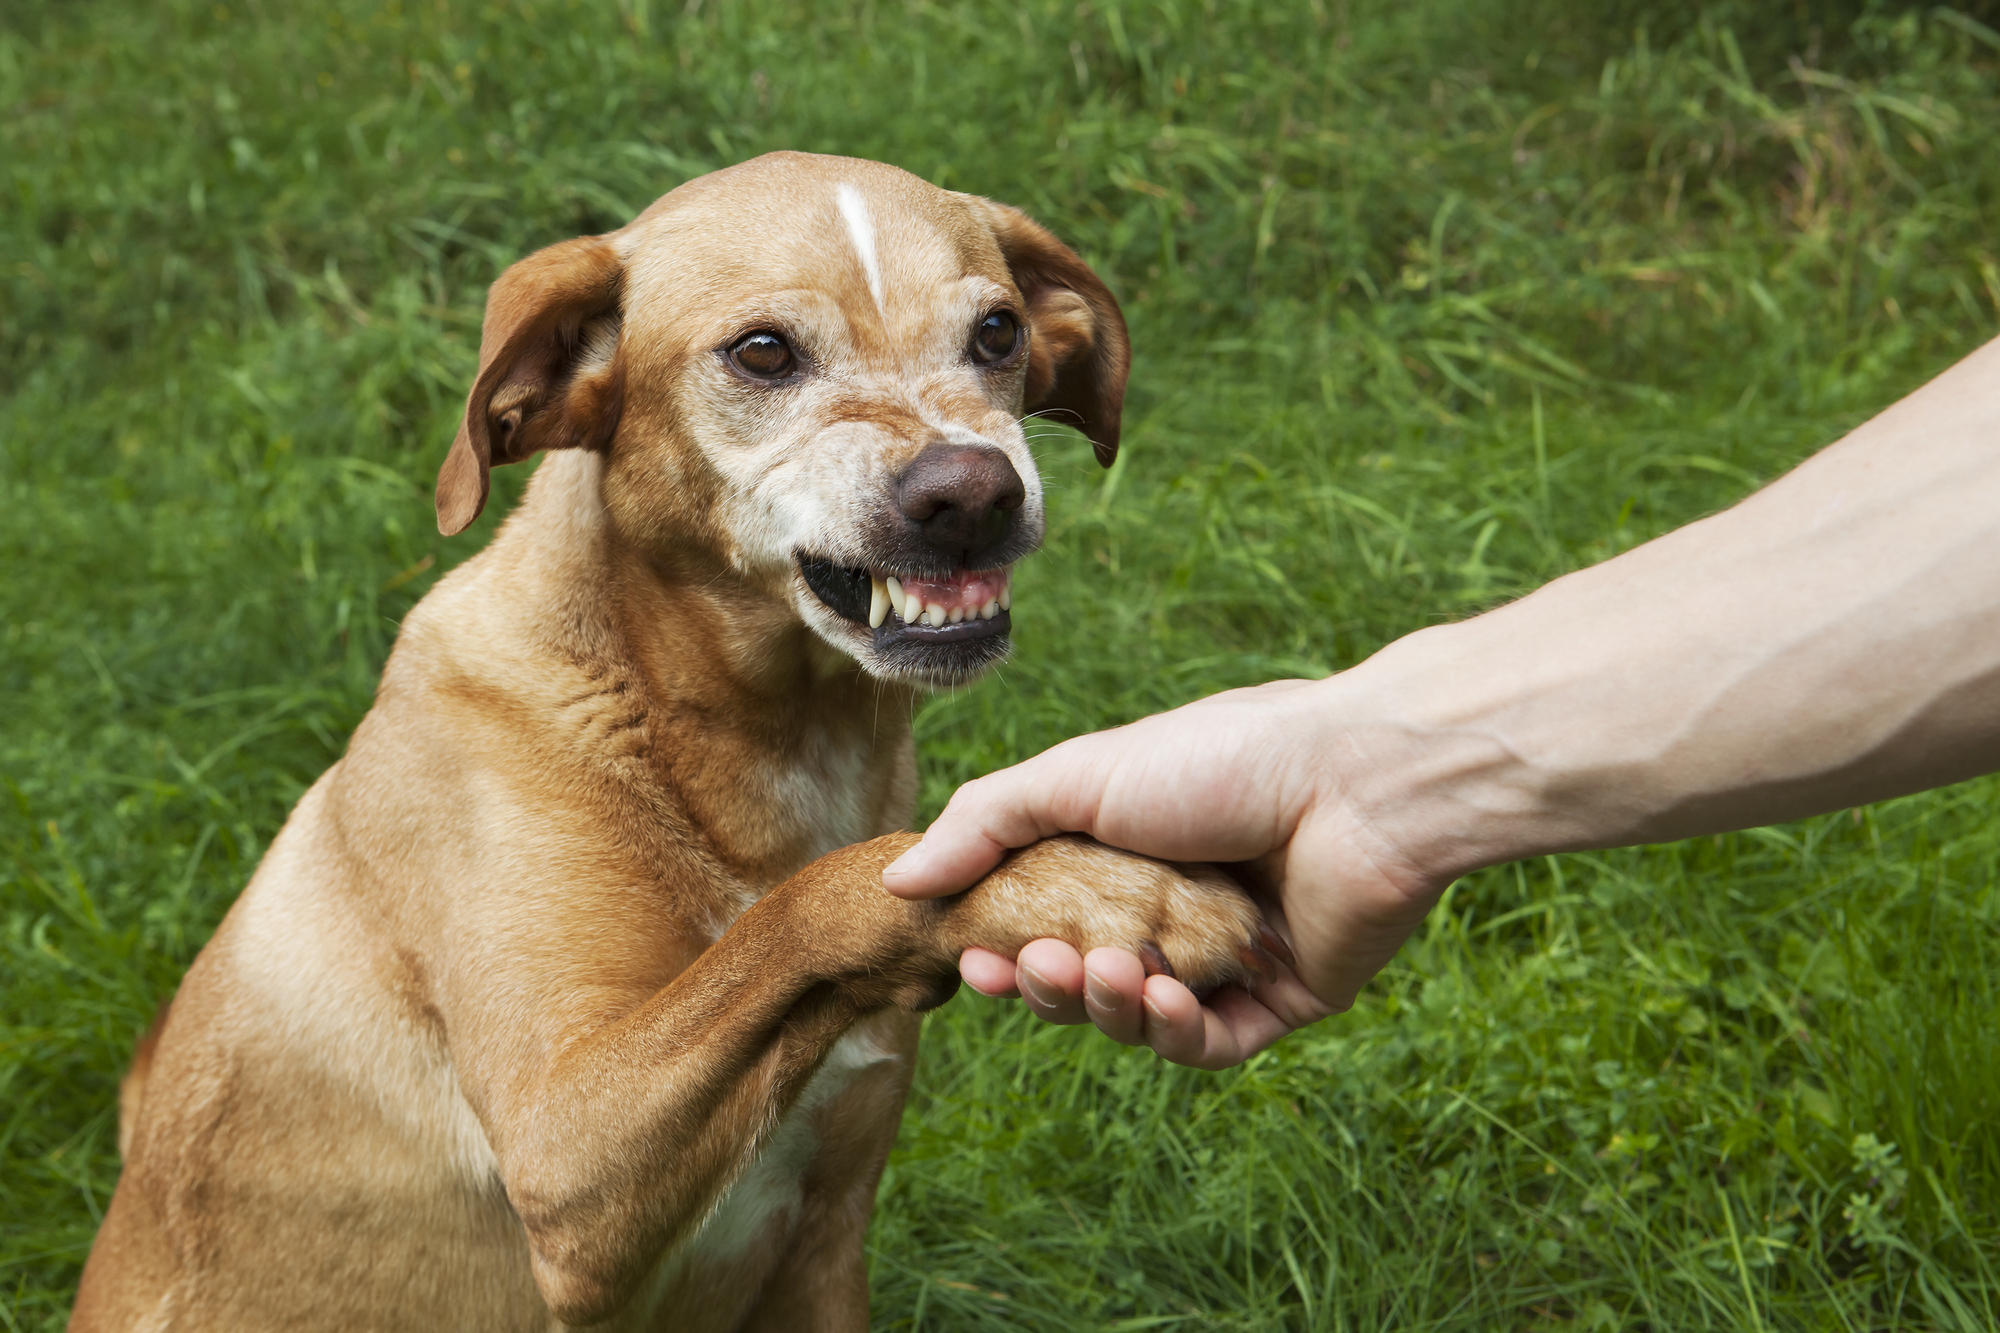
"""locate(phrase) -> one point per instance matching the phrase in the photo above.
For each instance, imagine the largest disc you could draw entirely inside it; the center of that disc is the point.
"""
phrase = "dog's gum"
(952, 600)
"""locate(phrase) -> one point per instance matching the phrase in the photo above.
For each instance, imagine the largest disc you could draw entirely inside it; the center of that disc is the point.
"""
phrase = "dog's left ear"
(1078, 353)
(550, 372)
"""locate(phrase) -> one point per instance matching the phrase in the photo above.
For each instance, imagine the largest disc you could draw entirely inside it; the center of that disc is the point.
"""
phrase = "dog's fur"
(563, 999)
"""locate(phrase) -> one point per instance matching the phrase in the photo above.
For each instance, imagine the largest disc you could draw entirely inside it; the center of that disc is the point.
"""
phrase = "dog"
(570, 997)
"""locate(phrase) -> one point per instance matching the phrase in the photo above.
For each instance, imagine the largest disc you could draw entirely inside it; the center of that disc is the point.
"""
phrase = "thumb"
(982, 822)
(944, 862)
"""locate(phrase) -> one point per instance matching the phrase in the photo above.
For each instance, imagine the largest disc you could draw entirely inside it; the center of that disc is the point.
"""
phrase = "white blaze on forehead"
(861, 230)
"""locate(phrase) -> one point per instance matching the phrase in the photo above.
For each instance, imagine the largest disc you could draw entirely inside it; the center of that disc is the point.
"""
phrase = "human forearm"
(1830, 640)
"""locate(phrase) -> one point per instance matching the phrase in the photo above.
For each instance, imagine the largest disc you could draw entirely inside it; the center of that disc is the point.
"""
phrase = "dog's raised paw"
(1190, 922)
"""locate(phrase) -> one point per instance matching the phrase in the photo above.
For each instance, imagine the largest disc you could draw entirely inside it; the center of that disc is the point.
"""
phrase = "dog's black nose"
(961, 497)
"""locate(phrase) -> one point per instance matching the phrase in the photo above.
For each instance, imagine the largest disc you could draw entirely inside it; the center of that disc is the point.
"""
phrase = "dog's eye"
(996, 337)
(764, 355)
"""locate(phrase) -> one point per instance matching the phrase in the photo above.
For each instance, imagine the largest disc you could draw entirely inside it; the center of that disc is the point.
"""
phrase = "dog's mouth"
(912, 609)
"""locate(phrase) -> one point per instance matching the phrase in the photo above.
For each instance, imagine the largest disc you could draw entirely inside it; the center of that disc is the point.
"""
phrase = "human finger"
(1113, 985)
(1049, 974)
(1180, 1030)
(988, 973)
(1230, 1025)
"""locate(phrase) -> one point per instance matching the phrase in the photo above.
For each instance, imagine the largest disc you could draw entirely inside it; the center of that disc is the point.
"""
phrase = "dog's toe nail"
(1274, 943)
(1155, 961)
(1257, 960)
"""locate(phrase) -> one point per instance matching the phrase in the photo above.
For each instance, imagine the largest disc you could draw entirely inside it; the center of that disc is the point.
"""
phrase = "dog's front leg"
(637, 1127)
(622, 1146)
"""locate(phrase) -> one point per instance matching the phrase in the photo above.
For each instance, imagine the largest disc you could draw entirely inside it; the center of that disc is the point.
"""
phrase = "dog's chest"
(781, 808)
(828, 797)
(747, 1228)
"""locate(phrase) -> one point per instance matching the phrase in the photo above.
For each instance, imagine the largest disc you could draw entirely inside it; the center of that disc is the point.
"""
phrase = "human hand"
(1244, 779)
(1797, 653)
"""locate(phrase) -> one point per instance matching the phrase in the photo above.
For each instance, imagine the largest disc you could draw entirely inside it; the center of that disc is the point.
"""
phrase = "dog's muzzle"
(936, 592)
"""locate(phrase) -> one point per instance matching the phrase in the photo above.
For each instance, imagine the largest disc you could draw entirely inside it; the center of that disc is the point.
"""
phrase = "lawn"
(1431, 302)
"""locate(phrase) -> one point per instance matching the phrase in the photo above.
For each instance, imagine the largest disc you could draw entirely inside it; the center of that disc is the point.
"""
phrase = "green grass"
(1432, 301)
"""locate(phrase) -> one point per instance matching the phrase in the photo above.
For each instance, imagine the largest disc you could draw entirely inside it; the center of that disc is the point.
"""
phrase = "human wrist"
(1446, 750)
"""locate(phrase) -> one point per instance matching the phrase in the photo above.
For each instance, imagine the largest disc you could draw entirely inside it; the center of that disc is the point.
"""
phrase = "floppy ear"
(551, 375)
(1078, 353)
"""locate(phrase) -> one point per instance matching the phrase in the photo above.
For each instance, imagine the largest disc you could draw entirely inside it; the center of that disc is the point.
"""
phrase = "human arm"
(1833, 639)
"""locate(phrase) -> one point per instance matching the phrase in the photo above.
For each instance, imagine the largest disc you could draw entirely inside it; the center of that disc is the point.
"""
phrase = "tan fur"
(563, 1000)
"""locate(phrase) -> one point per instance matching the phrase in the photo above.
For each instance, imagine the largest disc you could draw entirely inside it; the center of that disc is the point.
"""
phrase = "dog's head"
(813, 368)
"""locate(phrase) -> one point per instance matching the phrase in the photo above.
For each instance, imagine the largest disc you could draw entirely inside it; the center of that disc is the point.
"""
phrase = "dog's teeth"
(935, 615)
(894, 587)
(990, 609)
(878, 604)
(957, 614)
(1006, 597)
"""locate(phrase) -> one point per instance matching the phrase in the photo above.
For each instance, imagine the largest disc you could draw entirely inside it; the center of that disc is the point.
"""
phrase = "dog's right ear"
(551, 375)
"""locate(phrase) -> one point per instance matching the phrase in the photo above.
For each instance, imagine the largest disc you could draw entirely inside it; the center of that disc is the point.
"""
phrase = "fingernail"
(1102, 993)
(1038, 989)
(1154, 1012)
(905, 863)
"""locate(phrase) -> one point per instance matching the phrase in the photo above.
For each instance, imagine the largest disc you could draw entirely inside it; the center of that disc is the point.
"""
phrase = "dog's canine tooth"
(878, 604)
(990, 608)
(1006, 597)
(894, 587)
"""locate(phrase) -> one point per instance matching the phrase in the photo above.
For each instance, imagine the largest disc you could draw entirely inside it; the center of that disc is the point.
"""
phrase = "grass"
(1432, 302)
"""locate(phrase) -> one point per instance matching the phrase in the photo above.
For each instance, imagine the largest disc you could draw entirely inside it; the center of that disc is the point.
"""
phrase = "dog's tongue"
(979, 594)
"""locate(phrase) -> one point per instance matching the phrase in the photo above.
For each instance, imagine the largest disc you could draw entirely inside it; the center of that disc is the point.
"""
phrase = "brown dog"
(531, 1017)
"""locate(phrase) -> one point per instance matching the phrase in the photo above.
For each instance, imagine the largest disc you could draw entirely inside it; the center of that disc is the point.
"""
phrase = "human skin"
(1831, 640)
